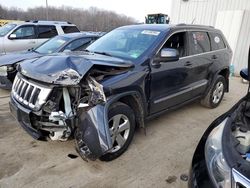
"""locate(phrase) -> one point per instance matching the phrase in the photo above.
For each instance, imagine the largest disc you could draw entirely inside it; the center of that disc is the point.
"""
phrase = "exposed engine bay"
(240, 130)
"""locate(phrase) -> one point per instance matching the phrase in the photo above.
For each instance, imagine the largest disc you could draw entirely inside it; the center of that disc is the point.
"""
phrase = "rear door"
(45, 32)
(22, 38)
(201, 59)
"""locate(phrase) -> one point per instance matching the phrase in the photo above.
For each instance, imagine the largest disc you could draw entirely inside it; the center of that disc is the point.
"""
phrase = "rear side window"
(199, 42)
(46, 31)
(217, 42)
(70, 29)
(79, 44)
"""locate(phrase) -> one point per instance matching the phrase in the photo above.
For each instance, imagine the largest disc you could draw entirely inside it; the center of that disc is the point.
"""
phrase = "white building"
(232, 17)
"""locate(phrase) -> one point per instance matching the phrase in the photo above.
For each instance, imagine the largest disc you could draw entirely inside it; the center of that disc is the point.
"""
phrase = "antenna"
(248, 66)
(193, 21)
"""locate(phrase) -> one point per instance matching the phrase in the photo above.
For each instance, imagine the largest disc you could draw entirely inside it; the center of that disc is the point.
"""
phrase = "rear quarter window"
(46, 31)
(217, 41)
(199, 42)
(70, 29)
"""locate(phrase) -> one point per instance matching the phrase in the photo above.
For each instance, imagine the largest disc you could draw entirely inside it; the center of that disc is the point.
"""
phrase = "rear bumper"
(5, 83)
(22, 115)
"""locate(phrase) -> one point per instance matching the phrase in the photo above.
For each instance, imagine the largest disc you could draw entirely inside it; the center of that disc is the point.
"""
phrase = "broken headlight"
(3, 71)
(218, 169)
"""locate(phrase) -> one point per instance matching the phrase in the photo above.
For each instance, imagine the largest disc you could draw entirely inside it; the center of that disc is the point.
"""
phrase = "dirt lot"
(165, 153)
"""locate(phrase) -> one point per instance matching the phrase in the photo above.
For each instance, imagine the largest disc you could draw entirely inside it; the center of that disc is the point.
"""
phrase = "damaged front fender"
(93, 135)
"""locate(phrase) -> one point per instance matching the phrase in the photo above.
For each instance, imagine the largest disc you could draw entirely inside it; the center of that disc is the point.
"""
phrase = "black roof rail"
(49, 21)
(181, 24)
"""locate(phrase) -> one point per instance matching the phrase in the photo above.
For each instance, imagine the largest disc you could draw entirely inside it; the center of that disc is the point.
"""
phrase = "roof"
(166, 27)
(43, 22)
(157, 27)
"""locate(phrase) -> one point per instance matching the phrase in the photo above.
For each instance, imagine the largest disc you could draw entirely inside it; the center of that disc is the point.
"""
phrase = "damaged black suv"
(130, 75)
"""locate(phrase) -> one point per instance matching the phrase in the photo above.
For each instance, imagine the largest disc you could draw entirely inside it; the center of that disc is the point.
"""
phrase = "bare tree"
(92, 19)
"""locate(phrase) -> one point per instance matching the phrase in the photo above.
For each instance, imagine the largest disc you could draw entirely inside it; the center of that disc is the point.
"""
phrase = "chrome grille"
(30, 93)
(238, 180)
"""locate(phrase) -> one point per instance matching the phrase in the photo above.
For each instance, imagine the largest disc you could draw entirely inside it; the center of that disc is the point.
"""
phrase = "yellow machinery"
(3, 22)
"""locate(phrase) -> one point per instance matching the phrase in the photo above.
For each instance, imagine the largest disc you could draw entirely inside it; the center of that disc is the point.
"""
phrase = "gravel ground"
(155, 160)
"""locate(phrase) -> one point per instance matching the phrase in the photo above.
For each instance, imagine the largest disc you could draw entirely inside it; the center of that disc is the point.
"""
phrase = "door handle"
(188, 63)
(214, 57)
(32, 42)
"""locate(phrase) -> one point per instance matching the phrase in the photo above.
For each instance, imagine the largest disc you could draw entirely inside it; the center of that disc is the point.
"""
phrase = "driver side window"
(25, 32)
(177, 41)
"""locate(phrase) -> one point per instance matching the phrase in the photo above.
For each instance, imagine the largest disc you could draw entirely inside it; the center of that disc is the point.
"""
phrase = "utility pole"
(47, 10)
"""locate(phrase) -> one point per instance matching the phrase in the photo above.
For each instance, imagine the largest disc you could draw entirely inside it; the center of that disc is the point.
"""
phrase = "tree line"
(91, 19)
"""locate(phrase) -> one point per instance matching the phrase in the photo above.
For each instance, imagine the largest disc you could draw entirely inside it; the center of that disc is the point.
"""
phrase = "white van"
(29, 34)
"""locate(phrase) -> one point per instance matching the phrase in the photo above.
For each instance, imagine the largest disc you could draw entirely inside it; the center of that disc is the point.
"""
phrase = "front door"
(171, 81)
(23, 38)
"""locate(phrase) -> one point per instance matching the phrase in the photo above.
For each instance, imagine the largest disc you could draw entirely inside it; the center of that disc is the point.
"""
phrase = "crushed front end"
(61, 112)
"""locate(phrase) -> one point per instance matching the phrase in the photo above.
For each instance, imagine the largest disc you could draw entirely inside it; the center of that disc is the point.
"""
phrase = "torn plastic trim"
(93, 133)
(97, 95)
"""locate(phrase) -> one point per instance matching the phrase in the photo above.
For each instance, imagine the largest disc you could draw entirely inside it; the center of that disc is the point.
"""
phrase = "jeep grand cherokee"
(128, 76)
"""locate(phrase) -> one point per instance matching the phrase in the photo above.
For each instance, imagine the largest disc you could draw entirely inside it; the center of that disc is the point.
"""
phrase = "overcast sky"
(134, 8)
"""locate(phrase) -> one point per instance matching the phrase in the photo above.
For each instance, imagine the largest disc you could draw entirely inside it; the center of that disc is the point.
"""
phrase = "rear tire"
(122, 127)
(215, 94)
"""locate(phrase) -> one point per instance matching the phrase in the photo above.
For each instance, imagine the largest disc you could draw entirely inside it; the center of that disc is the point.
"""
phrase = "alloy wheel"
(119, 127)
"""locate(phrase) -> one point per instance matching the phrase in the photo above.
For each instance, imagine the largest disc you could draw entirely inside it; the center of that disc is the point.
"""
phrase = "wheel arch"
(225, 73)
(134, 100)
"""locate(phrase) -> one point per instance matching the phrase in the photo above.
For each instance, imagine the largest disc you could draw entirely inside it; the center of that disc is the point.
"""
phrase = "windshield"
(52, 45)
(125, 43)
(6, 29)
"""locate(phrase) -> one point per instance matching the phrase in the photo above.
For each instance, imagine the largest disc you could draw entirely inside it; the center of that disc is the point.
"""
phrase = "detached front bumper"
(22, 115)
(5, 83)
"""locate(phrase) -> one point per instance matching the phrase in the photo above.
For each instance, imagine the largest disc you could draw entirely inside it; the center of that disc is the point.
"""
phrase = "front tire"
(215, 94)
(122, 127)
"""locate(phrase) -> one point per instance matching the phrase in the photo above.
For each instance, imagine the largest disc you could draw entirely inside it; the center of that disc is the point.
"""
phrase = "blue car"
(60, 43)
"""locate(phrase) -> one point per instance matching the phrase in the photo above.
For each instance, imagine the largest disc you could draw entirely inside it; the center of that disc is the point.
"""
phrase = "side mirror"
(168, 54)
(244, 74)
(12, 36)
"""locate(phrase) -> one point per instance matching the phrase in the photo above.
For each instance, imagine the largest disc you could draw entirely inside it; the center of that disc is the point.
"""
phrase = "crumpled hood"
(13, 58)
(67, 69)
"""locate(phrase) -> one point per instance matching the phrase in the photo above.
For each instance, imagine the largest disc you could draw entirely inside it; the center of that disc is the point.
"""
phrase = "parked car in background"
(60, 43)
(18, 36)
(126, 77)
(222, 157)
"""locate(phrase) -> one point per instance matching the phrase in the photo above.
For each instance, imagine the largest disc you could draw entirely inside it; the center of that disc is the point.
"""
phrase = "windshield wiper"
(32, 50)
(102, 53)
(85, 50)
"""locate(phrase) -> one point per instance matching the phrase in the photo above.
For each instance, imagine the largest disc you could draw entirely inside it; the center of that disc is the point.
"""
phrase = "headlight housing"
(3, 71)
(217, 166)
